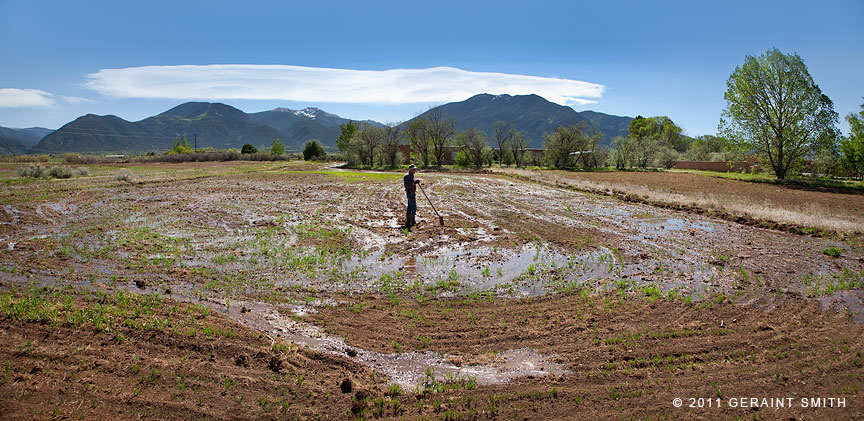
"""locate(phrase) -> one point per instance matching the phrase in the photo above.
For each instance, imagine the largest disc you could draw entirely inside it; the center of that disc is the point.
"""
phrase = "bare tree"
(368, 139)
(418, 136)
(441, 130)
(390, 143)
(502, 137)
(474, 143)
(518, 146)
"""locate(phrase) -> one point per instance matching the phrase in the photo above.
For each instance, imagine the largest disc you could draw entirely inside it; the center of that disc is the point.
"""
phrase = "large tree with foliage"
(473, 142)
(343, 142)
(776, 110)
(277, 148)
(562, 144)
(852, 147)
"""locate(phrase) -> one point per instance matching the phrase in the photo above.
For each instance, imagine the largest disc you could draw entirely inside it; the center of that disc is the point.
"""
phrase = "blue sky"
(617, 57)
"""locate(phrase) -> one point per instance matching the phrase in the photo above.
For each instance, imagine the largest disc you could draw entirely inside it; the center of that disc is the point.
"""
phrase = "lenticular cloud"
(311, 84)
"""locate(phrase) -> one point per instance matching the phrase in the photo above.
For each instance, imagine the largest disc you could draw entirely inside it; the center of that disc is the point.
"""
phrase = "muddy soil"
(284, 241)
(624, 356)
(58, 371)
(796, 205)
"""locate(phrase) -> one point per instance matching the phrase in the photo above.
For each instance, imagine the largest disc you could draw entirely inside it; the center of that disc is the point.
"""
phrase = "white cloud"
(13, 97)
(311, 84)
(76, 100)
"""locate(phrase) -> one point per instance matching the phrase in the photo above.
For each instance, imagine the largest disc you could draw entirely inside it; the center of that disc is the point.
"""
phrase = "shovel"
(440, 218)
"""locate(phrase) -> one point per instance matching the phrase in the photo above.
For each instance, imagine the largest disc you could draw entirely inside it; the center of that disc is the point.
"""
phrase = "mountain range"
(223, 126)
(18, 141)
(529, 113)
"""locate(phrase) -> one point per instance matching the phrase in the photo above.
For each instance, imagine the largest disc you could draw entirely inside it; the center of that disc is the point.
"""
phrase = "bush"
(833, 252)
(25, 158)
(89, 159)
(31, 171)
(462, 159)
(82, 171)
(227, 155)
(277, 148)
(124, 175)
(667, 157)
(248, 148)
(312, 149)
(60, 172)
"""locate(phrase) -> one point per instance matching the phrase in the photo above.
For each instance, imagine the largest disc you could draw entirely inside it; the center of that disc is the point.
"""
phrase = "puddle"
(673, 224)
(405, 369)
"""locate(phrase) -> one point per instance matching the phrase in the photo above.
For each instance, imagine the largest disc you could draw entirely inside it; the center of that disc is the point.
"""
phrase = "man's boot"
(411, 220)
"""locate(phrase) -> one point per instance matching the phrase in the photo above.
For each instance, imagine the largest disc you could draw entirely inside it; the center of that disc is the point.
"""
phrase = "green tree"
(564, 144)
(343, 142)
(248, 148)
(775, 110)
(181, 145)
(852, 147)
(621, 152)
(706, 147)
(312, 149)
(277, 148)
(473, 142)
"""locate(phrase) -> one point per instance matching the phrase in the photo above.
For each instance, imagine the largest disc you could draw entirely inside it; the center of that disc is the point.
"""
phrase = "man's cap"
(412, 166)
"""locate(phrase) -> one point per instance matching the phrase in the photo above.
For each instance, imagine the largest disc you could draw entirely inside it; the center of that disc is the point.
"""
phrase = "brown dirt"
(846, 204)
(849, 203)
(627, 357)
(52, 372)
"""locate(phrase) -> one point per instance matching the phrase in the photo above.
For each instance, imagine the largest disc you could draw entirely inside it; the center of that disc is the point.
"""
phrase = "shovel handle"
(430, 202)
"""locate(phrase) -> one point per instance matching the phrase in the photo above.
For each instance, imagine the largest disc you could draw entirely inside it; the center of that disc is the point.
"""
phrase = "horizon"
(96, 60)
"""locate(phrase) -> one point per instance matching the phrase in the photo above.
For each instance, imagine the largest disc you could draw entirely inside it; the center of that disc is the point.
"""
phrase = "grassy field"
(289, 290)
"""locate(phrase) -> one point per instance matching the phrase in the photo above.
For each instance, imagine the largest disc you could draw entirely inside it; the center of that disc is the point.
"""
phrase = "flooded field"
(531, 301)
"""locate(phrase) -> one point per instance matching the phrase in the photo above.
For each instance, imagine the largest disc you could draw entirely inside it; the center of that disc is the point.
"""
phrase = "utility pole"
(196, 142)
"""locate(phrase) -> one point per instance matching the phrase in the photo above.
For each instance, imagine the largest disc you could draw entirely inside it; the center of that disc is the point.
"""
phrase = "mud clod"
(275, 364)
(347, 386)
(241, 360)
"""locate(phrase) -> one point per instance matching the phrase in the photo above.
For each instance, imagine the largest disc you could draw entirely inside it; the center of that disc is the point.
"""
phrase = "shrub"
(31, 171)
(82, 171)
(312, 149)
(124, 175)
(89, 159)
(181, 145)
(60, 172)
(277, 148)
(832, 251)
(462, 159)
(25, 158)
(667, 157)
(248, 148)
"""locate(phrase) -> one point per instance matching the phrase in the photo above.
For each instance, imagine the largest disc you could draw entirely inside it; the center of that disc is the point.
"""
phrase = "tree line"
(775, 113)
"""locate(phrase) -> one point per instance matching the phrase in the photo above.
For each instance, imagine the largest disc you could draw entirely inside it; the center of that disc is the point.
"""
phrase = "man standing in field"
(410, 191)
